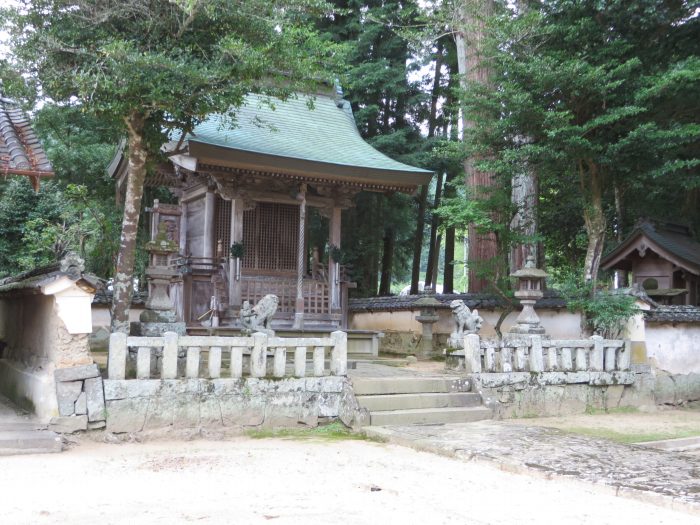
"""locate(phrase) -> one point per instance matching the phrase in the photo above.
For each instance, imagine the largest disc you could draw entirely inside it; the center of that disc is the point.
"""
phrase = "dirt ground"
(245, 480)
(625, 427)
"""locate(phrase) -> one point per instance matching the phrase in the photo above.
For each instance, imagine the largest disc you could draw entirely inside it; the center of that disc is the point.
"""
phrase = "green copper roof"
(311, 129)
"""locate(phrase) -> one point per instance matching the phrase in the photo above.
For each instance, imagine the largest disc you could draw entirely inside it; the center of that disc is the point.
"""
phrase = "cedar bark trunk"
(434, 225)
(423, 198)
(449, 271)
(124, 272)
(524, 224)
(470, 42)
(594, 218)
(387, 262)
(619, 232)
(418, 239)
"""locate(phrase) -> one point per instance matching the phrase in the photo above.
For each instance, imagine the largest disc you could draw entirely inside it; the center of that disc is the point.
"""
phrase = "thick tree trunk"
(418, 239)
(434, 225)
(124, 271)
(387, 262)
(470, 40)
(619, 232)
(423, 198)
(594, 218)
(449, 271)
(524, 224)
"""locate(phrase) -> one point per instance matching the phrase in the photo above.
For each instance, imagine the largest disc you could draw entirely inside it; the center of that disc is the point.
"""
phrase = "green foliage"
(331, 432)
(173, 62)
(40, 228)
(590, 96)
(604, 313)
(237, 250)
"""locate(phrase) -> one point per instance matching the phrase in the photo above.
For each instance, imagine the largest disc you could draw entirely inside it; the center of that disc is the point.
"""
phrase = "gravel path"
(664, 477)
(246, 481)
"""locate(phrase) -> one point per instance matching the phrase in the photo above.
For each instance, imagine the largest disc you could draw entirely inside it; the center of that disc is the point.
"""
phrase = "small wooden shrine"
(246, 192)
(663, 258)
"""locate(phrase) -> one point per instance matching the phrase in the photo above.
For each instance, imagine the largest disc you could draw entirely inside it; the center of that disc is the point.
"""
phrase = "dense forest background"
(594, 104)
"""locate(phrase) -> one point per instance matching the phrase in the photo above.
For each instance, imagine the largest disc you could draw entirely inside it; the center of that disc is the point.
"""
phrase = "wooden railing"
(173, 357)
(315, 292)
(535, 354)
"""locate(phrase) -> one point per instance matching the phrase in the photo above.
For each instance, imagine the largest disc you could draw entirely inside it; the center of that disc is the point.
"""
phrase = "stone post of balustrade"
(472, 354)
(339, 353)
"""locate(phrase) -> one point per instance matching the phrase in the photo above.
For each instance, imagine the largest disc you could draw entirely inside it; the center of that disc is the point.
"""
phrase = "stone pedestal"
(530, 284)
(427, 321)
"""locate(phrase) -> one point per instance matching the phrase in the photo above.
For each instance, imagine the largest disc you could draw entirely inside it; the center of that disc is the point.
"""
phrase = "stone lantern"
(159, 315)
(427, 317)
(530, 285)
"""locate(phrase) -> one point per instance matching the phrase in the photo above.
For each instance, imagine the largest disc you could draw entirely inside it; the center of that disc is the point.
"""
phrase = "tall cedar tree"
(151, 66)
(604, 92)
(377, 232)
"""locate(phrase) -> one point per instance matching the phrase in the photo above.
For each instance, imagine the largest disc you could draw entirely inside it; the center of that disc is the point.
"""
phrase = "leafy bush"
(604, 313)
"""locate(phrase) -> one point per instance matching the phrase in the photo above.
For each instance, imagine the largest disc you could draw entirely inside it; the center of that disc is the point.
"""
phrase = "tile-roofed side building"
(21, 152)
(473, 300)
(663, 258)
(673, 314)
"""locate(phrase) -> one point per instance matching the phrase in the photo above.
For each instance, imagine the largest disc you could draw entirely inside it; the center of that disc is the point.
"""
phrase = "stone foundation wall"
(154, 404)
(526, 394)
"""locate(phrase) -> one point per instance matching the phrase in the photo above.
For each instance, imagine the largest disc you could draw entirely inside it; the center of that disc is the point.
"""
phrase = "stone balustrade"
(536, 354)
(173, 356)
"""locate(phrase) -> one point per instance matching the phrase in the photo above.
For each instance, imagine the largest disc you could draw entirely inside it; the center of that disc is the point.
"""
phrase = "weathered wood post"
(116, 361)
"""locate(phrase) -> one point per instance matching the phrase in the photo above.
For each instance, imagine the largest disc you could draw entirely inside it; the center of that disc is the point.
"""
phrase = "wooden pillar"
(235, 267)
(209, 241)
(334, 266)
(299, 308)
(183, 229)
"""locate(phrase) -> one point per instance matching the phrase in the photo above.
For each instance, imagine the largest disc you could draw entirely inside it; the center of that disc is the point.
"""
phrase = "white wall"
(559, 324)
(674, 347)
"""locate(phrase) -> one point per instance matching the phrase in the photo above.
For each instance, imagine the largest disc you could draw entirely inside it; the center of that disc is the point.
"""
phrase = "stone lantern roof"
(529, 271)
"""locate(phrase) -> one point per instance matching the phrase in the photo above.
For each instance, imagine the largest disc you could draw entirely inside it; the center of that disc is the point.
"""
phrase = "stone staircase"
(20, 433)
(419, 400)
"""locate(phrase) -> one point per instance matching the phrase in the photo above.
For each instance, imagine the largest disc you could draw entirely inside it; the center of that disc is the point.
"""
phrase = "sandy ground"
(284, 481)
(659, 424)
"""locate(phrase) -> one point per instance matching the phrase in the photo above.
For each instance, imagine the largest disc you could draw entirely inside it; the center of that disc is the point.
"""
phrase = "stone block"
(68, 424)
(95, 399)
(126, 415)
(81, 404)
(123, 389)
(96, 425)
(241, 411)
(496, 380)
(67, 394)
(187, 411)
(76, 373)
(160, 413)
(328, 405)
(210, 412)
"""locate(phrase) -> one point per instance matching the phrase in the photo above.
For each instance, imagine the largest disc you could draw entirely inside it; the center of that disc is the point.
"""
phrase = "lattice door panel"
(222, 224)
(270, 237)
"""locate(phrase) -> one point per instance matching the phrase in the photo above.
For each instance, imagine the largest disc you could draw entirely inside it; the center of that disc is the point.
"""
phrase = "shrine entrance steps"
(419, 400)
(20, 433)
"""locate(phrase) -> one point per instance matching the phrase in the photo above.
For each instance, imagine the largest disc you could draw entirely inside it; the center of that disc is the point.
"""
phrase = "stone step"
(423, 400)
(6, 426)
(13, 442)
(429, 416)
(409, 385)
